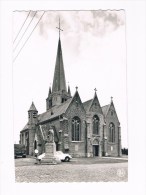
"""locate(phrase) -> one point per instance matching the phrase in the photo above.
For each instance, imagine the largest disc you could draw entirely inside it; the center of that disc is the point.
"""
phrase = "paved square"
(78, 170)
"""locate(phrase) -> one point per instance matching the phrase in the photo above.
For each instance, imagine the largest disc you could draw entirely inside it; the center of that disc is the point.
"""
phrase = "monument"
(50, 149)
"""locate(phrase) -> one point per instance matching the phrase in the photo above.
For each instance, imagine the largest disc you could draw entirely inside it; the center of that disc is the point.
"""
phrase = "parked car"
(59, 155)
(62, 156)
(19, 151)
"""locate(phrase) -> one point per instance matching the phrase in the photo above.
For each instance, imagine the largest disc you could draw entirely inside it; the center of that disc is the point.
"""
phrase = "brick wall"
(77, 148)
(112, 148)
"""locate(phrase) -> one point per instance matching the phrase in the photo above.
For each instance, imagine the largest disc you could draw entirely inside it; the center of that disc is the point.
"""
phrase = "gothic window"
(112, 113)
(95, 125)
(76, 129)
(28, 115)
(111, 132)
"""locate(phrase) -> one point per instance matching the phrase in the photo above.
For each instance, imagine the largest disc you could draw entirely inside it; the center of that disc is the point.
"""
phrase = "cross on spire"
(111, 98)
(95, 90)
(76, 88)
(59, 28)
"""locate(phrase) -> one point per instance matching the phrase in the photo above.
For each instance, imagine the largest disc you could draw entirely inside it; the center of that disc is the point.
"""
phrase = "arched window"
(111, 132)
(95, 125)
(76, 129)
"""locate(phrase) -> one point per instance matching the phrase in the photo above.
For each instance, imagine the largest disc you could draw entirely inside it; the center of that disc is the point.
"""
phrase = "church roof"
(25, 127)
(105, 109)
(55, 111)
(87, 104)
(59, 82)
(32, 107)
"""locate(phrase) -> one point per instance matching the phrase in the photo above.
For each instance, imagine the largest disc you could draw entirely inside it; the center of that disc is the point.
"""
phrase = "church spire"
(59, 82)
(59, 94)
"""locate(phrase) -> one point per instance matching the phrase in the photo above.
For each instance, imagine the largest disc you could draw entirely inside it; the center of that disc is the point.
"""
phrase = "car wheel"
(67, 159)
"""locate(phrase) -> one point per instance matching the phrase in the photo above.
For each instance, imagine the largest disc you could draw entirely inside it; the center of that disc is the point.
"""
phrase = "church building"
(82, 129)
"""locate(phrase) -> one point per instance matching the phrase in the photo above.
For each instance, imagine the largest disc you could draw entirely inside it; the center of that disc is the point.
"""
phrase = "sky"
(94, 55)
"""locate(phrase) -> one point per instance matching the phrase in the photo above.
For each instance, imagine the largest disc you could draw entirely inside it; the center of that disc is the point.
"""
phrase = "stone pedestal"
(50, 149)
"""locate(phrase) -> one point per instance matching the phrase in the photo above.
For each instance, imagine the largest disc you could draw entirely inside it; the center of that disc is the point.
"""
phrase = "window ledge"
(76, 141)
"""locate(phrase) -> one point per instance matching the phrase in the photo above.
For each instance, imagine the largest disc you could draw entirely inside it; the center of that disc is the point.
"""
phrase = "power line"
(22, 26)
(28, 37)
(25, 31)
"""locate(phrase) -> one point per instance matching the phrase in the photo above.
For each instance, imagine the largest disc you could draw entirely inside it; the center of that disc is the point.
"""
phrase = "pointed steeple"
(32, 107)
(59, 93)
(59, 82)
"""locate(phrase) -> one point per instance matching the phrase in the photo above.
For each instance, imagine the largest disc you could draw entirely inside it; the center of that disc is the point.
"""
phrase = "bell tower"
(32, 115)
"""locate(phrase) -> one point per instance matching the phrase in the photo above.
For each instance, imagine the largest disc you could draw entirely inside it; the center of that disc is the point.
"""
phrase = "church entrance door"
(95, 150)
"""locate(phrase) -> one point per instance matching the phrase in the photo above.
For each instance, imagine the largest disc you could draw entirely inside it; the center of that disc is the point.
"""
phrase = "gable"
(112, 112)
(76, 104)
(95, 106)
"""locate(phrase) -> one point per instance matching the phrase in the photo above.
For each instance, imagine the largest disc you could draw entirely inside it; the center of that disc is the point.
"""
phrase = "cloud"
(98, 23)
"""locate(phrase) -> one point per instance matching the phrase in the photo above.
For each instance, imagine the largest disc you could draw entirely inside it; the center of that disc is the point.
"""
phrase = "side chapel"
(82, 129)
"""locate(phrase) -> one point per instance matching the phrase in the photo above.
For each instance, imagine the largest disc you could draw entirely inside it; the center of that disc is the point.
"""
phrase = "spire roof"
(32, 107)
(59, 82)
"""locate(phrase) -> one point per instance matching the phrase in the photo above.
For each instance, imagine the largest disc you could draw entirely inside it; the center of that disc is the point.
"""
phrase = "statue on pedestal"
(50, 137)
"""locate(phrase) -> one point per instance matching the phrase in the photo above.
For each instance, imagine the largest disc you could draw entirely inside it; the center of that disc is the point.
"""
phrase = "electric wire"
(28, 37)
(25, 31)
(22, 26)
